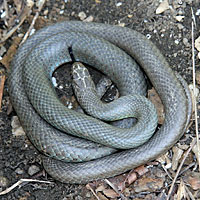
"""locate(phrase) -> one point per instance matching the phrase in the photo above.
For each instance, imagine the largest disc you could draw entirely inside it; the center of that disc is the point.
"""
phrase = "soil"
(171, 36)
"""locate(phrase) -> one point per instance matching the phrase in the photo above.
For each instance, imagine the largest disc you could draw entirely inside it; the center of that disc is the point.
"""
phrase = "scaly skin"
(173, 92)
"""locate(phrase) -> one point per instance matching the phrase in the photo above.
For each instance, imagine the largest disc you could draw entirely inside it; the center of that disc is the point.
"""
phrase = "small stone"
(15, 122)
(20, 35)
(19, 171)
(82, 15)
(88, 194)
(197, 12)
(46, 12)
(118, 4)
(162, 7)
(185, 42)
(33, 169)
(180, 26)
(3, 181)
(179, 18)
(130, 16)
(121, 24)
(2, 50)
(176, 41)
(61, 12)
(89, 19)
(197, 43)
(19, 131)
(54, 81)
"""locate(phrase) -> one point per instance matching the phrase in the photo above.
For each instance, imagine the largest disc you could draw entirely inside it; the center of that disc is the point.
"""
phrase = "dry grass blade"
(33, 21)
(2, 81)
(20, 182)
(195, 112)
(194, 89)
(179, 168)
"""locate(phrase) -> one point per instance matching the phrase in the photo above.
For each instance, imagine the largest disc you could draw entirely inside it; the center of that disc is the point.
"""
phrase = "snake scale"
(72, 159)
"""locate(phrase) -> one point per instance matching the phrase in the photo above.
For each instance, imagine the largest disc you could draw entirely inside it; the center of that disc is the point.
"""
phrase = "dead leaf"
(141, 170)
(196, 152)
(131, 177)
(181, 193)
(193, 179)
(18, 4)
(110, 193)
(11, 52)
(155, 99)
(162, 7)
(176, 157)
(148, 184)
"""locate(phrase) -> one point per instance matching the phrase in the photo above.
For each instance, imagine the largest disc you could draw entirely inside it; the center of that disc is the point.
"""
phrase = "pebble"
(3, 181)
(54, 81)
(180, 26)
(19, 171)
(185, 42)
(17, 129)
(33, 169)
(118, 4)
(89, 19)
(82, 15)
(2, 50)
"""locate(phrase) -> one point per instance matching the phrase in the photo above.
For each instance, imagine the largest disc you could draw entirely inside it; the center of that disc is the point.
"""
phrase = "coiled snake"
(77, 160)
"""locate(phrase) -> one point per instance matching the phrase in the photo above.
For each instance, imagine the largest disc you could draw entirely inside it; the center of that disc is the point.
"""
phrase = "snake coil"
(47, 48)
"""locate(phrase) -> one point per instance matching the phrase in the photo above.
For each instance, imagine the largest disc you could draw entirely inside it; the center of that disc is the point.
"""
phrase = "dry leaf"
(196, 152)
(181, 193)
(193, 179)
(131, 177)
(11, 52)
(155, 99)
(162, 7)
(148, 184)
(141, 170)
(110, 193)
(176, 157)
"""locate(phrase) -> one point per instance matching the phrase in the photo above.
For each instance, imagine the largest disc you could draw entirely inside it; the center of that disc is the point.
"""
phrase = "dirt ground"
(170, 30)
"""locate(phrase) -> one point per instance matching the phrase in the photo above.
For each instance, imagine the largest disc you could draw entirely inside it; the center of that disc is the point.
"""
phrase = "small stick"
(20, 182)
(179, 168)
(115, 189)
(194, 91)
(33, 22)
(93, 192)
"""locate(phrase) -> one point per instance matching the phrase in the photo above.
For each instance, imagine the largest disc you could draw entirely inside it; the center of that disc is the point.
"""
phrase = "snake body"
(66, 153)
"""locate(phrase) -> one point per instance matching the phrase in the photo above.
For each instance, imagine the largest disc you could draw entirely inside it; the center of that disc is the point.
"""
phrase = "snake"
(52, 128)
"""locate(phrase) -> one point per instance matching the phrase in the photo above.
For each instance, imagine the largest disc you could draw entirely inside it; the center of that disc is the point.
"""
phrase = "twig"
(194, 90)
(93, 192)
(115, 189)
(26, 12)
(33, 21)
(2, 81)
(179, 168)
(20, 182)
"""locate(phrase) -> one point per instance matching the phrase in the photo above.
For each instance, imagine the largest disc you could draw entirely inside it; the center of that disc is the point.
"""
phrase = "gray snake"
(67, 152)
